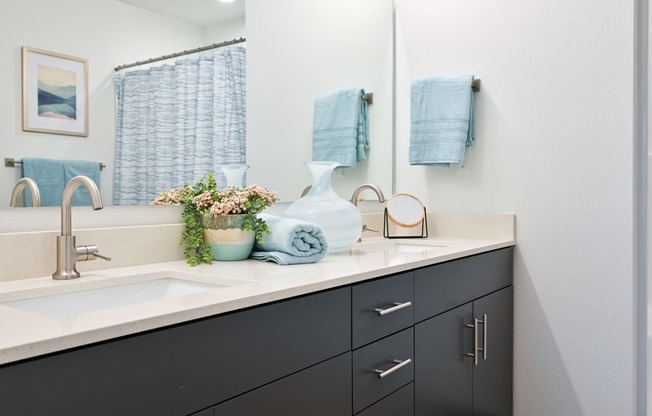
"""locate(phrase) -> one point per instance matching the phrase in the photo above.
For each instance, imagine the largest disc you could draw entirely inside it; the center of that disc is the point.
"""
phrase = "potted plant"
(221, 224)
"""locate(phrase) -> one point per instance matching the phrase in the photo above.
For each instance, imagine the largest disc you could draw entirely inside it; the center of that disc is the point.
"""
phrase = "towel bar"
(475, 85)
(10, 162)
(368, 97)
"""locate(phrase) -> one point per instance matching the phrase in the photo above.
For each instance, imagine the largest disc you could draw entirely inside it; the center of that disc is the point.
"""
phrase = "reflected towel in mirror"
(52, 175)
(340, 130)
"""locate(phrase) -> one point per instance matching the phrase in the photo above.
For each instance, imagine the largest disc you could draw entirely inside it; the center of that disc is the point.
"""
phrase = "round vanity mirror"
(405, 210)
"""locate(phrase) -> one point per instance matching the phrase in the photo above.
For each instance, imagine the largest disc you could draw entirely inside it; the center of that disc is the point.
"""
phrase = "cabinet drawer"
(179, 370)
(445, 286)
(322, 390)
(382, 307)
(369, 361)
(399, 403)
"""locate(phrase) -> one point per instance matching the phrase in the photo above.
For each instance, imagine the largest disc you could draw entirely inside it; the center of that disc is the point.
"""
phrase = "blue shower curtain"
(176, 122)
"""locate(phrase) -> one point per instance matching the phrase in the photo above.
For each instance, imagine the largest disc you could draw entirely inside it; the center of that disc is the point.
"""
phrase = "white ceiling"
(198, 12)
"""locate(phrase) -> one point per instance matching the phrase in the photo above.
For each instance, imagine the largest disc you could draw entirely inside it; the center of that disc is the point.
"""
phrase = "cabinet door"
(322, 390)
(443, 373)
(492, 378)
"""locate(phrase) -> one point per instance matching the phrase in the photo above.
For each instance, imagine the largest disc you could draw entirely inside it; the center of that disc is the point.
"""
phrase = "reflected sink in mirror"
(130, 290)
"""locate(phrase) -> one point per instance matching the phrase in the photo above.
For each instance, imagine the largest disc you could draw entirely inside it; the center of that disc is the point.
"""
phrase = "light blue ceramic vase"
(227, 238)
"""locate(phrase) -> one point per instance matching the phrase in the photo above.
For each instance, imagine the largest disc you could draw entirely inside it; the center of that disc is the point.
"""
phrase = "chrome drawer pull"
(397, 307)
(399, 364)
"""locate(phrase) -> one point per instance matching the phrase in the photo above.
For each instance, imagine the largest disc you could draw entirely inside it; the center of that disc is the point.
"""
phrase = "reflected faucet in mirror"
(21, 185)
(356, 197)
(68, 253)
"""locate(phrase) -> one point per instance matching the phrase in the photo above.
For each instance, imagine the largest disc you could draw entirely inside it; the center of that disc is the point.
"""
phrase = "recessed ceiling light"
(226, 1)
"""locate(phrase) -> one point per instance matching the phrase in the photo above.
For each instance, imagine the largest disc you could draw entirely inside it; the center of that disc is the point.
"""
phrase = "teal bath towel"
(341, 127)
(53, 175)
(441, 120)
(292, 242)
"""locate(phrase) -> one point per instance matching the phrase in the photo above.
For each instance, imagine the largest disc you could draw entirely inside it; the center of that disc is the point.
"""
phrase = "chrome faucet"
(18, 192)
(359, 189)
(68, 253)
(356, 195)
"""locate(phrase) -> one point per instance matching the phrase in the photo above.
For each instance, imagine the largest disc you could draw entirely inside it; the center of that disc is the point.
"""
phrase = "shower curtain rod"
(175, 55)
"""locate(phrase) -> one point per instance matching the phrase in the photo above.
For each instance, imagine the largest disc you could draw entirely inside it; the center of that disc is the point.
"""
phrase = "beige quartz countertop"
(26, 335)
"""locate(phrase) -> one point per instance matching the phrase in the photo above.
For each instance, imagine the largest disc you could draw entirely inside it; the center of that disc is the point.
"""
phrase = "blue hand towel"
(441, 120)
(53, 175)
(48, 175)
(340, 130)
(292, 242)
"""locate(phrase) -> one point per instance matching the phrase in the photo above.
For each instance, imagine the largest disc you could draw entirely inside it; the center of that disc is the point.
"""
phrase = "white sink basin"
(157, 286)
(396, 246)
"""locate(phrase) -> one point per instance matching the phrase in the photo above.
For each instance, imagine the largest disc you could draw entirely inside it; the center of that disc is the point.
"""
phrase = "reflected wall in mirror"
(106, 33)
(296, 51)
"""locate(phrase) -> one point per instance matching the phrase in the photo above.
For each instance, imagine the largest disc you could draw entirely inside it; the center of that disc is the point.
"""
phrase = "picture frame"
(55, 93)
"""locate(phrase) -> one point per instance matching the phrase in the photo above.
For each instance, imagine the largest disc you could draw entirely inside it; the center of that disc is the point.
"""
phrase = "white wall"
(226, 30)
(107, 33)
(554, 145)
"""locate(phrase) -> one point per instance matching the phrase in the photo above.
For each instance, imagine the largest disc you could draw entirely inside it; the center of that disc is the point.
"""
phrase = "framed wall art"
(55, 93)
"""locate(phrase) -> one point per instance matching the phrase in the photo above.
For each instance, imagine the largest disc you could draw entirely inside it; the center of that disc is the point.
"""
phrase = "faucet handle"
(89, 252)
(365, 228)
(102, 257)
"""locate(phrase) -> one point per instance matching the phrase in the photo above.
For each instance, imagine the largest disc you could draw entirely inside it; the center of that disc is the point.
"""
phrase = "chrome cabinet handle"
(484, 336)
(397, 306)
(474, 354)
(399, 364)
(476, 349)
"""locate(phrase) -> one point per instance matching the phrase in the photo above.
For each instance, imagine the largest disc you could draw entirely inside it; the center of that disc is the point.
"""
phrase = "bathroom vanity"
(401, 332)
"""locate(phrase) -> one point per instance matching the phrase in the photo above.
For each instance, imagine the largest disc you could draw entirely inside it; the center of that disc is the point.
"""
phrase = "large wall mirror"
(296, 50)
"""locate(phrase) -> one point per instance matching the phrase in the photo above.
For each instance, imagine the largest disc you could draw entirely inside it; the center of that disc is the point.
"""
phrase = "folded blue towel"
(52, 176)
(441, 120)
(292, 242)
(340, 130)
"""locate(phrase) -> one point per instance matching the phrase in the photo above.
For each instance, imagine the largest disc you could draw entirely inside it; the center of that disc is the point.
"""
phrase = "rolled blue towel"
(441, 120)
(340, 131)
(292, 242)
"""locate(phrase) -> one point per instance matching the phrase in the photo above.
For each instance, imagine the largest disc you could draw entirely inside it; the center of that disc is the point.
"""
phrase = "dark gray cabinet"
(183, 369)
(382, 367)
(319, 354)
(444, 375)
(492, 377)
(463, 347)
(382, 307)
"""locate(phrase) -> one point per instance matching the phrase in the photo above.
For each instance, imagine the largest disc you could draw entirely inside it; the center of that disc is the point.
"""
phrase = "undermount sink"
(396, 246)
(130, 290)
